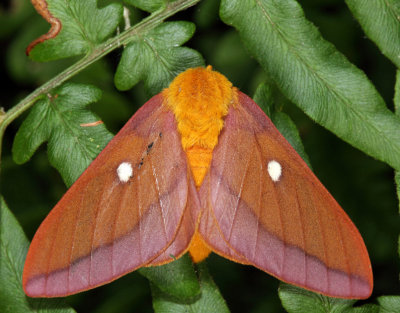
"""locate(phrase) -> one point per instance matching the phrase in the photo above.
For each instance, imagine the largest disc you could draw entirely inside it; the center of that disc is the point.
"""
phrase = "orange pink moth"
(199, 168)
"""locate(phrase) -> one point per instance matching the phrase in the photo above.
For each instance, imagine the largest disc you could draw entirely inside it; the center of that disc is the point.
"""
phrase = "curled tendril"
(41, 7)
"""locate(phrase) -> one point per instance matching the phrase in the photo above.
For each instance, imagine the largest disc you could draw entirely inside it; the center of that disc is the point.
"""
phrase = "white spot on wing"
(124, 171)
(274, 170)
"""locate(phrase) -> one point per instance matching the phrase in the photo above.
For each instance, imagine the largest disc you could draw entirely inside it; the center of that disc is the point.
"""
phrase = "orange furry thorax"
(199, 99)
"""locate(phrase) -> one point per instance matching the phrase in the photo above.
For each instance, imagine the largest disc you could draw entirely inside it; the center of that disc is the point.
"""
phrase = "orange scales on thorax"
(199, 99)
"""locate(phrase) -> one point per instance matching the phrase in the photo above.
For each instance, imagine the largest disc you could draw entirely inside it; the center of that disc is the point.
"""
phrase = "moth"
(199, 169)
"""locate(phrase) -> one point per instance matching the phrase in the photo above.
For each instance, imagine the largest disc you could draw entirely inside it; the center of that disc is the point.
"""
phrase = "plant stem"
(97, 53)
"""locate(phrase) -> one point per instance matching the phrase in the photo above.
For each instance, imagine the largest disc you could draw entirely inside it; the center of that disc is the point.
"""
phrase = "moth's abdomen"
(199, 161)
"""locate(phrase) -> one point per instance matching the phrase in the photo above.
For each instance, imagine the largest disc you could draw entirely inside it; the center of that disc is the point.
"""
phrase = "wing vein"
(216, 190)
(282, 228)
(96, 218)
(74, 235)
(344, 250)
(139, 221)
(51, 255)
(160, 202)
(114, 227)
(260, 211)
(324, 248)
(151, 130)
(302, 233)
(239, 196)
